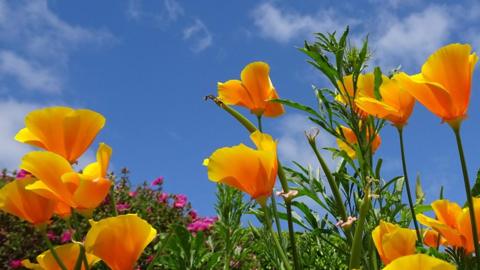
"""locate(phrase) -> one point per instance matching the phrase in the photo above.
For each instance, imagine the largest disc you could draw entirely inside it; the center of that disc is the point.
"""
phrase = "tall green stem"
(268, 224)
(356, 250)
(272, 197)
(281, 174)
(407, 185)
(53, 251)
(333, 185)
(466, 180)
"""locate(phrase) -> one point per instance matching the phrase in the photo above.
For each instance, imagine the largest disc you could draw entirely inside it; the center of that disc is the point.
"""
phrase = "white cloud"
(36, 39)
(199, 36)
(27, 74)
(411, 39)
(12, 115)
(283, 25)
(293, 145)
(158, 12)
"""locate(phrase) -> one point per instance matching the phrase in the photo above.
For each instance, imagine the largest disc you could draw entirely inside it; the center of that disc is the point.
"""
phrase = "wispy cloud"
(163, 13)
(28, 75)
(157, 12)
(36, 42)
(293, 145)
(199, 36)
(412, 37)
(282, 24)
(12, 115)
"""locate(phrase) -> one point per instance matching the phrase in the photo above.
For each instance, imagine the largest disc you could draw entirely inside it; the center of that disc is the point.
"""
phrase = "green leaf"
(297, 106)
(419, 191)
(476, 186)
(422, 208)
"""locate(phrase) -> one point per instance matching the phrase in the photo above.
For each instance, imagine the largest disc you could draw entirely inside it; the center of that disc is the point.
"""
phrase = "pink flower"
(132, 194)
(163, 197)
(122, 207)
(66, 236)
(149, 259)
(51, 236)
(22, 174)
(201, 224)
(14, 264)
(180, 201)
(158, 181)
(193, 214)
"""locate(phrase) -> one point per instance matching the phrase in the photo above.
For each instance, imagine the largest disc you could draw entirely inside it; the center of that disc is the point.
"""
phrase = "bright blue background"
(133, 62)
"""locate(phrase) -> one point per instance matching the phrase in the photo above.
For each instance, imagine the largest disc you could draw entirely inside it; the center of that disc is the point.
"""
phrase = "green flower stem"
(160, 248)
(52, 250)
(356, 250)
(268, 224)
(407, 185)
(466, 180)
(82, 258)
(291, 234)
(272, 197)
(333, 185)
(281, 173)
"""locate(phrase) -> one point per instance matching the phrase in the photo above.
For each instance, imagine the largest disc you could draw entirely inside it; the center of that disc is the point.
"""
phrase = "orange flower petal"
(68, 254)
(251, 171)
(62, 130)
(254, 91)
(49, 168)
(419, 262)
(119, 241)
(15, 199)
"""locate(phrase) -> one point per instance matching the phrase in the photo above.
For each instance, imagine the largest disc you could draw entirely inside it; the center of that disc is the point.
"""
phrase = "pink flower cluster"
(180, 201)
(158, 181)
(163, 197)
(14, 264)
(201, 224)
(122, 207)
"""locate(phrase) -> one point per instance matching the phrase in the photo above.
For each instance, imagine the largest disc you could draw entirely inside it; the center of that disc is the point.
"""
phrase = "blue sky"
(147, 64)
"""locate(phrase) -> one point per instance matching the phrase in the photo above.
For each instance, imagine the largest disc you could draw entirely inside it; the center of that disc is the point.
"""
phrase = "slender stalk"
(160, 249)
(226, 263)
(278, 246)
(356, 250)
(272, 197)
(407, 185)
(291, 233)
(52, 250)
(84, 257)
(333, 185)
(466, 180)
(281, 174)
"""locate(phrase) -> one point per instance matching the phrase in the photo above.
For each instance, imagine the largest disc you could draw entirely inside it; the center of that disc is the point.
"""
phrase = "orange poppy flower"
(444, 84)
(62, 130)
(396, 105)
(119, 241)
(452, 222)
(57, 180)
(251, 171)
(67, 253)
(15, 199)
(351, 138)
(419, 262)
(393, 242)
(365, 88)
(431, 239)
(254, 91)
